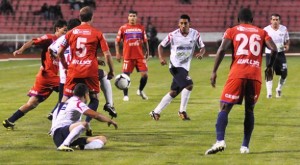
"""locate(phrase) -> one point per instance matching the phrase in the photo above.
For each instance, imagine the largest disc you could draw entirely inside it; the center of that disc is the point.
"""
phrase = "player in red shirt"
(244, 79)
(134, 37)
(84, 40)
(47, 79)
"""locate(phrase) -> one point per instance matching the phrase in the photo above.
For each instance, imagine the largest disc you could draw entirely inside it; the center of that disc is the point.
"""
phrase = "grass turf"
(141, 140)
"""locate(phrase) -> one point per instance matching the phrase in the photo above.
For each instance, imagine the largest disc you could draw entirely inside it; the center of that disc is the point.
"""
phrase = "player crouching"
(67, 126)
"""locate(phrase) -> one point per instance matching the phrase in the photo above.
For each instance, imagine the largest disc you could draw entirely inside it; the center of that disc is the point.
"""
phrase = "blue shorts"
(62, 133)
(181, 79)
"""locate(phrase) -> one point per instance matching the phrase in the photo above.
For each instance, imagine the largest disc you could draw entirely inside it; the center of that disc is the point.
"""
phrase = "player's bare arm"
(110, 64)
(160, 55)
(23, 48)
(287, 45)
(117, 47)
(201, 53)
(219, 57)
(147, 50)
(100, 117)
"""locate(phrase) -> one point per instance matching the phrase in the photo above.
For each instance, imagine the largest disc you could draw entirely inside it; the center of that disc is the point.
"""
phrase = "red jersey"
(84, 41)
(133, 38)
(248, 41)
(50, 66)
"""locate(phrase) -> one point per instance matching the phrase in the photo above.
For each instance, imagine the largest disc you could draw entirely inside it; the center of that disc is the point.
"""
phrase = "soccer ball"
(122, 81)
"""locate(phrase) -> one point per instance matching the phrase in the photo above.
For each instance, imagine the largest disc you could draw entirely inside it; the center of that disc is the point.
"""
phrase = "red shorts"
(139, 64)
(44, 86)
(236, 89)
(91, 82)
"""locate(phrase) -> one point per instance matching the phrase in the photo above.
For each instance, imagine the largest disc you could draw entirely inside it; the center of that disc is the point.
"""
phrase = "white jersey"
(54, 47)
(182, 47)
(279, 37)
(70, 113)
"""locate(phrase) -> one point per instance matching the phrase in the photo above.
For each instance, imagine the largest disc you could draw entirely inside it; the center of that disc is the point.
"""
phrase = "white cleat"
(278, 93)
(125, 98)
(142, 94)
(269, 96)
(219, 146)
(244, 150)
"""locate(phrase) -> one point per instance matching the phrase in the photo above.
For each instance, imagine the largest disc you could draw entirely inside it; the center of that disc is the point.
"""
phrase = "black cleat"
(183, 115)
(111, 110)
(154, 116)
(8, 125)
(89, 132)
(50, 116)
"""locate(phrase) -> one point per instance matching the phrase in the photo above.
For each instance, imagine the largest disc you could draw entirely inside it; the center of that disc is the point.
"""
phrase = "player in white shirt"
(105, 83)
(67, 125)
(183, 42)
(280, 36)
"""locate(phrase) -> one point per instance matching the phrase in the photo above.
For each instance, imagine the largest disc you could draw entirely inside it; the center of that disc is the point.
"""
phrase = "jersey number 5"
(254, 45)
(80, 47)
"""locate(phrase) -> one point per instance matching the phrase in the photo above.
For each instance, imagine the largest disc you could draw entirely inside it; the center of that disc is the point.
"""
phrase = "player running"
(183, 42)
(244, 79)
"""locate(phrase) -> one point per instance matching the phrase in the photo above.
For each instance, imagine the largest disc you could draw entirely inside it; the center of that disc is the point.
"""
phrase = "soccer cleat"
(65, 148)
(50, 116)
(111, 110)
(183, 115)
(89, 132)
(269, 96)
(155, 116)
(278, 93)
(219, 146)
(125, 98)
(244, 150)
(8, 125)
(142, 94)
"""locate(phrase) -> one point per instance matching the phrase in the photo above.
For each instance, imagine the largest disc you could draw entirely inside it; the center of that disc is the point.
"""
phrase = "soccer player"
(46, 80)
(104, 82)
(244, 79)
(84, 41)
(183, 42)
(67, 125)
(280, 36)
(134, 38)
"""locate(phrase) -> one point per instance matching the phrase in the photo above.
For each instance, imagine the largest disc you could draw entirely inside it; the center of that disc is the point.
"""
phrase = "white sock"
(185, 96)
(95, 144)
(269, 85)
(107, 90)
(73, 135)
(166, 100)
(280, 83)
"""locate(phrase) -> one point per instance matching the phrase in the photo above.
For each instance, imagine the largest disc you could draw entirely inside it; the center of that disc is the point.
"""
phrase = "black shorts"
(280, 64)
(62, 133)
(181, 78)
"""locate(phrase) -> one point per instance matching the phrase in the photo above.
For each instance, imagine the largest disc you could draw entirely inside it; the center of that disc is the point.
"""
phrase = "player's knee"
(102, 138)
(190, 87)
(173, 93)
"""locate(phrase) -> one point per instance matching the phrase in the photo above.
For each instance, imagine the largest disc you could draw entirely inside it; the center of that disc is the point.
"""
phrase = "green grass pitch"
(169, 141)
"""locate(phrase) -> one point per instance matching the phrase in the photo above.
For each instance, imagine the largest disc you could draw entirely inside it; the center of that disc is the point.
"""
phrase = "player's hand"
(111, 122)
(146, 55)
(101, 62)
(162, 61)
(118, 57)
(269, 74)
(199, 56)
(286, 47)
(110, 75)
(17, 52)
(213, 78)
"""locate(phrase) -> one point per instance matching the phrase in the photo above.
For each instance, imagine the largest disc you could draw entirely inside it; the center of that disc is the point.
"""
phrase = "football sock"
(107, 90)
(17, 115)
(93, 105)
(269, 85)
(185, 95)
(221, 125)
(74, 134)
(125, 91)
(95, 144)
(166, 100)
(143, 82)
(280, 83)
(248, 127)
